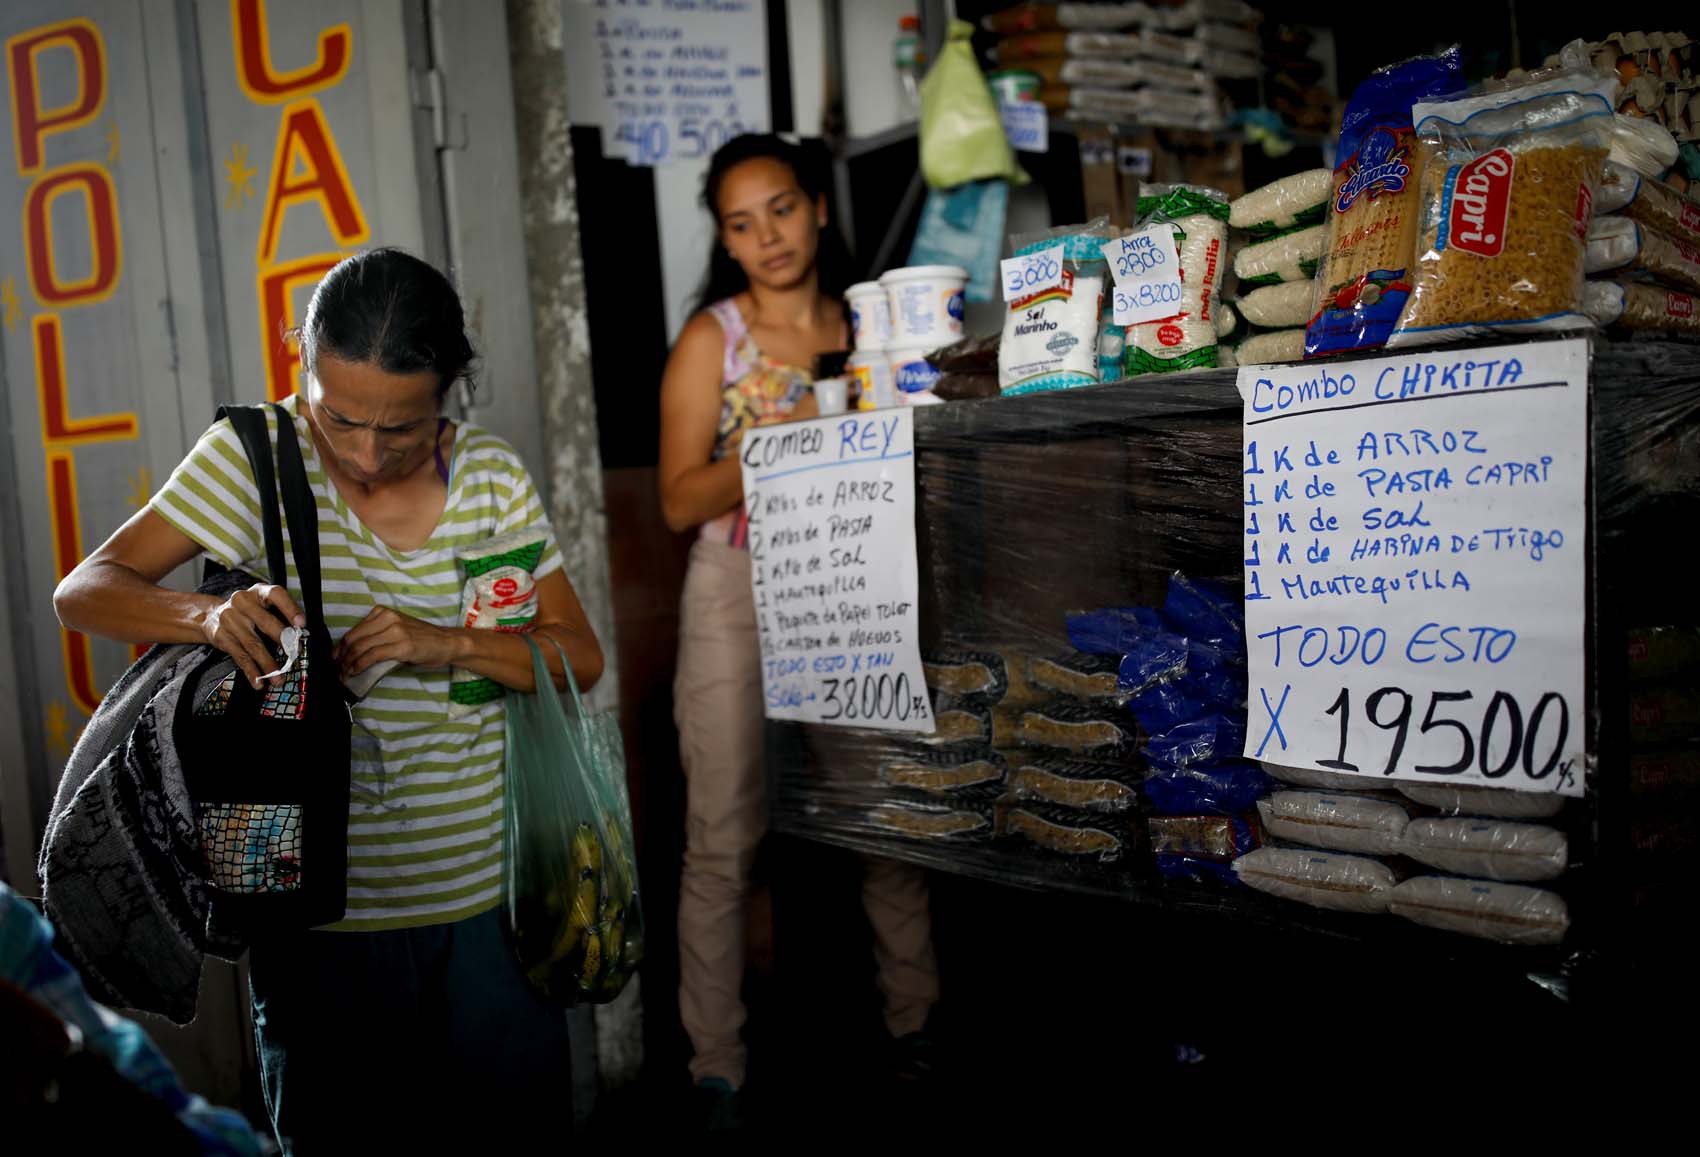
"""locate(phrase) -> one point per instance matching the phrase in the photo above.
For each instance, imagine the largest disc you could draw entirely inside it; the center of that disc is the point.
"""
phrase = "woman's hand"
(236, 627)
(385, 636)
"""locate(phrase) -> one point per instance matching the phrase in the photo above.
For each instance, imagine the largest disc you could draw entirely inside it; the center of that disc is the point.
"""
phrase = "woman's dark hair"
(388, 308)
(725, 276)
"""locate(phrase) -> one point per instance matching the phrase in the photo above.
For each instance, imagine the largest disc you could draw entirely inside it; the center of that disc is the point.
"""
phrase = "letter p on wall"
(33, 121)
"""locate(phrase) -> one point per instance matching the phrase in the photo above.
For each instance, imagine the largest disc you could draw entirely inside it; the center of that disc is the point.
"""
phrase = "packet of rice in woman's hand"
(500, 595)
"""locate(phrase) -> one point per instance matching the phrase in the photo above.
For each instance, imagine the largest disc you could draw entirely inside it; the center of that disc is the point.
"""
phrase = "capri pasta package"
(500, 595)
(1188, 338)
(1051, 336)
(1507, 194)
(1363, 281)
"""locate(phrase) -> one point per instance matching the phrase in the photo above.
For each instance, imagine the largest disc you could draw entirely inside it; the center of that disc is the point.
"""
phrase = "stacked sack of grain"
(1341, 847)
(1188, 338)
(1282, 224)
(1150, 64)
(1643, 257)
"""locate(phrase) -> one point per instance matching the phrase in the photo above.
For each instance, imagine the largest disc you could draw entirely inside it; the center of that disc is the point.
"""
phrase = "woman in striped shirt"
(411, 1007)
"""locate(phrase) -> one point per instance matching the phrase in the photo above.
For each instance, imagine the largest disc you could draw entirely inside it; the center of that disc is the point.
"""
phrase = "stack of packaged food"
(1276, 266)
(1458, 858)
(1643, 256)
(898, 322)
(1150, 64)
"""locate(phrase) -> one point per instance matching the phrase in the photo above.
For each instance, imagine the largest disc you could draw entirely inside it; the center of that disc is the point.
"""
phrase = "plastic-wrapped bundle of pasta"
(1187, 339)
(1288, 257)
(1507, 193)
(1619, 245)
(1634, 305)
(1279, 306)
(1295, 202)
(1372, 210)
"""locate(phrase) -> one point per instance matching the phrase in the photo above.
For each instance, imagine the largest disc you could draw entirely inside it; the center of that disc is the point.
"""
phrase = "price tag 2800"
(1032, 273)
(1147, 273)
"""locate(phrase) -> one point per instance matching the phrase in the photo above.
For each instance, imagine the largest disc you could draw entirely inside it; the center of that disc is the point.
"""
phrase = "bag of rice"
(1636, 306)
(1650, 202)
(1508, 186)
(1484, 801)
(1050, 337)
(500, 594)
(1227, 356)
(1287, 257)
(1279, 306)
(1319, 778)
(1320, 879)
(1509, 913)
(1372, 207)
(1186, 339)
(1492, 848)
(1620, 245)
(1339, 822)
(1227, 322)
(1295, 202)
(1281, 345)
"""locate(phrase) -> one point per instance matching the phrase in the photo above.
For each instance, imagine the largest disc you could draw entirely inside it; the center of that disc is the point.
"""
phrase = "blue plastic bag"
(1225, 789)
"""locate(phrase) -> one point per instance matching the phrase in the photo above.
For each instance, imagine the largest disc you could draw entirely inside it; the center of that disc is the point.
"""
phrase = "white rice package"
(1333, 820)
(1295, 202)
(1640, 306)
(1187, 339)
(1289, 257)
(1649, 201)
(1484, 801)
(1280, 345)
(1051, 337)
(1495, 849)
(1280, 306)
(500, 594)
(1227, 321)
(1508, 913)
(1619, 244)
(1317, 777)
(1320, 879)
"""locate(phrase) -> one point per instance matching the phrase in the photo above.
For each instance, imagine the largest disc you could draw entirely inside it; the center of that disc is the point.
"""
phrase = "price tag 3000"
(1032, 273)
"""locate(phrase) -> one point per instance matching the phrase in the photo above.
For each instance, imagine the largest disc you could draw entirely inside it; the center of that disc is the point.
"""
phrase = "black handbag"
(268, 770)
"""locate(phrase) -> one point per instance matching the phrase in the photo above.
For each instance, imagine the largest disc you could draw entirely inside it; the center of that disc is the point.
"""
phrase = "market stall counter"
(1081, 556)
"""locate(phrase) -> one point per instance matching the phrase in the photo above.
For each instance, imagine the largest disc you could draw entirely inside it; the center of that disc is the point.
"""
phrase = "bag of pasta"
(1508, 186)
(1362, 280)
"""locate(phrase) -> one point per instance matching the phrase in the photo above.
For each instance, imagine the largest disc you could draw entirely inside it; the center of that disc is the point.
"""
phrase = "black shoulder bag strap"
(249, 422)
(302, 511)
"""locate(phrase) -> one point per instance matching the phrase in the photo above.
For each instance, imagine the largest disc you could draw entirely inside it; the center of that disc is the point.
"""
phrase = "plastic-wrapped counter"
(1101, 752)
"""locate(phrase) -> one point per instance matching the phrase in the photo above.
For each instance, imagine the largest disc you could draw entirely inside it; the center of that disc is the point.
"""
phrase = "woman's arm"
(115, 593)
(386, 634)
(695, 489)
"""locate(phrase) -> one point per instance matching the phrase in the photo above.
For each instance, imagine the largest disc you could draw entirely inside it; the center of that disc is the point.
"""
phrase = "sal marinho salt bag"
(268, 770)
(569, 878)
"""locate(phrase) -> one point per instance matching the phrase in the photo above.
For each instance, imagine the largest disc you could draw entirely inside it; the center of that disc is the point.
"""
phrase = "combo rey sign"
(1415, 557)
(831, 510)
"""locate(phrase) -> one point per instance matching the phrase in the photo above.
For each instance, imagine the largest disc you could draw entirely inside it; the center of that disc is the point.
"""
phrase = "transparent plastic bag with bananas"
(569, 876)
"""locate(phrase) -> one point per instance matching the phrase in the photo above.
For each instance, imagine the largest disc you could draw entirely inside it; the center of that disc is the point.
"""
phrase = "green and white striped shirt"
(425, 825)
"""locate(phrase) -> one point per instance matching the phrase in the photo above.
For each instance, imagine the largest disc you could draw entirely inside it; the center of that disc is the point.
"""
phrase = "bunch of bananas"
(576, 944)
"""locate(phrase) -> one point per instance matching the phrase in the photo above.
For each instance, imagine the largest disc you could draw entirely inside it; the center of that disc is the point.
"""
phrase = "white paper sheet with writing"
(831, 506)
(1415, 563)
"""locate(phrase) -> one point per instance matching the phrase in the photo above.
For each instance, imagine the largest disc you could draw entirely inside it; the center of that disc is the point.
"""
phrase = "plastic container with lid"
(913, 375)
(870, 315)
(926, 304)
(871, 371)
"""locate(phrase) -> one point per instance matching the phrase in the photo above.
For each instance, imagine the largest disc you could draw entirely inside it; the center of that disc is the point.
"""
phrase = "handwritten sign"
(1415, 534)
(1032, 273)
(667, 80)
(1147, 272)
(831, 505)
(1027, 125)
